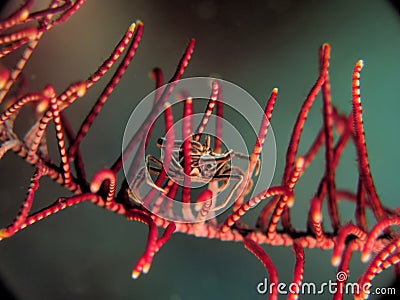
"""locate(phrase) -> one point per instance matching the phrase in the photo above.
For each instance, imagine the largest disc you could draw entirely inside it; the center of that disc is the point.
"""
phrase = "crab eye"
(209, 166)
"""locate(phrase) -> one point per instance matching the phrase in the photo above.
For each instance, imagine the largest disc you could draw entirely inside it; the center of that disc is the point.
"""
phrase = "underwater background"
(86, 252)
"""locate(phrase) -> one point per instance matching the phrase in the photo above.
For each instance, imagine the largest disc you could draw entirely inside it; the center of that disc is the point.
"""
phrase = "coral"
(24, 29)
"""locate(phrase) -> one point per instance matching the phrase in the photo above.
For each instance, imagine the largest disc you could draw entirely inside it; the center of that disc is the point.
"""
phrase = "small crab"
(206, 166)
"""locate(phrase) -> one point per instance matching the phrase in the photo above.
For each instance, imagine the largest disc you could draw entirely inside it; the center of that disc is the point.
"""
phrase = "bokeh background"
(85, 252)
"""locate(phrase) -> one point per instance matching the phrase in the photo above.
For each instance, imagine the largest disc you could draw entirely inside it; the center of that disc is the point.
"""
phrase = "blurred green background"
(85, 252)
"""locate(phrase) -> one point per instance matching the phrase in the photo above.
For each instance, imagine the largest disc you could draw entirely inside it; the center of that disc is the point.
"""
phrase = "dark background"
(85, 252)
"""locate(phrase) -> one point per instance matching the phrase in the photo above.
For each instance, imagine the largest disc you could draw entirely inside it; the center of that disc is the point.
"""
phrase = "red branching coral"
(25, 28)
